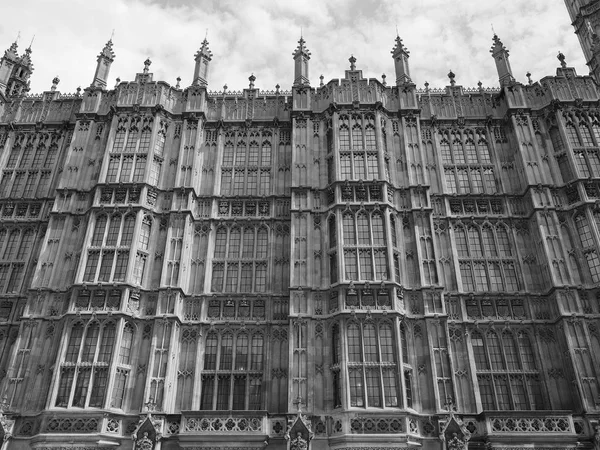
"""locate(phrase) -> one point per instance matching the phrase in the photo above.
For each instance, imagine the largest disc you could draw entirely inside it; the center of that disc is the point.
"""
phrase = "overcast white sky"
(259, 36)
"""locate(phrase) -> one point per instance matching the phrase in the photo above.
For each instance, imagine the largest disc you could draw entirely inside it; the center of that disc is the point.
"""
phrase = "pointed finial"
(397, 34)
(112, 35)
(178, 82)
(117, 81)
(277, 88)
(31, 43)
(301, 35)
(321, 78)
(352, 60)
(252, 79)
(147, 65)
(78, 91)
(493, 31)
(480, 85)
(55, 82)
(18, 36)
(206, 35)
(561, 58)
(383, 78)
(451, 76)
(426, 86)
(528, 75)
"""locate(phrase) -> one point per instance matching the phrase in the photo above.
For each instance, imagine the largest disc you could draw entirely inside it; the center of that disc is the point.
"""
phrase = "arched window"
(226, 352)
(84, 378)
(526, 352)
(354, 350)
(357, 134)
(210, 352)
(344, 138)
(25, 245)
(393, 231)
(262, 243)
(11, 245)
(378, 229)
(572, 135)
(586, 136)
(370, 141)
(113, 230)
(446, 152)
(332, 232)
(495, 351)
(349, 232)
(126, 343)
(510, 350)
(488, 242)
(479, 351)
(474, 242)
(234, 243)
(128, 227)
(461, 241)
(370, 343)
(144, 238)
(362, 227)
(504, 246)
(221, 242)
(584, 231)
(248, 243)
(257, 352)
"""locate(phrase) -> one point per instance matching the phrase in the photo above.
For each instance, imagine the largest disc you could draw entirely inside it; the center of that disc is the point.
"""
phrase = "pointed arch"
(477, 343)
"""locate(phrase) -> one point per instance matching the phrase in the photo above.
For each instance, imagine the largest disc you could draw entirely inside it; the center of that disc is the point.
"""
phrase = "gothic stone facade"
(348, 265)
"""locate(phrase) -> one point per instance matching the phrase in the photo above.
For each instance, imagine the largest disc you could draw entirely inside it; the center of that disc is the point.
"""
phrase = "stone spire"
(301, 57)
(105, 59)
(401, 54)
(203, 57)
(500, 54)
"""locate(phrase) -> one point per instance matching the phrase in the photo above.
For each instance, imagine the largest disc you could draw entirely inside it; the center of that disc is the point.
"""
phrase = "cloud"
(259, 37)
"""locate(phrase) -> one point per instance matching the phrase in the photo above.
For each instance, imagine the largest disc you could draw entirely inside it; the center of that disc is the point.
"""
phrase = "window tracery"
(129, 153)
(365, 249)
(29, 166)
(485, 258)
(15, 248)
(588, 243)
(84, 367)
(108, 254)
(359, 159)
(507, 371)
(233, 370)
(372, 366)
(240, 259)
(246, 164)
(467, 162)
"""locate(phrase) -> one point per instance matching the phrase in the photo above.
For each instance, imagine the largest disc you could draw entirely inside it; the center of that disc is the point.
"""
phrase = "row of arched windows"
(84, 371)
(232, 376)
(359, 159)
(371, 365)
(507, 372)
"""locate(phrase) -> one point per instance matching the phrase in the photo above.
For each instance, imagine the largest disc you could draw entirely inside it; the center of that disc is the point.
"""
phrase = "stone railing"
(530, 424)
(222, 424)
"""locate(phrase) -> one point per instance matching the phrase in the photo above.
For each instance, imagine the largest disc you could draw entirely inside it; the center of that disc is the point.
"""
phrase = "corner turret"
(105, 59)
(500, 54)
(301, 58)
(15, 71)
(203, 57)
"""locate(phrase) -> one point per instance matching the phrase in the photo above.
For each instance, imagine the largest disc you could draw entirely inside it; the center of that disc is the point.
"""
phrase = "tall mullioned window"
(15, 247)
(365, 251)
(233, 371)
(358, 147)
(29, 166)
(507, 371)
(240, 259)
(486, 258)
(246, 165)
(583, 134)
(467, 162)
(372, 367)
(84, 368)
(108, 254)
(588, 243)
(129, 154)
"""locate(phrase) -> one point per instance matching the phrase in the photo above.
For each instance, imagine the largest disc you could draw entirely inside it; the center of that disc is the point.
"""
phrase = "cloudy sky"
(259, 36)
